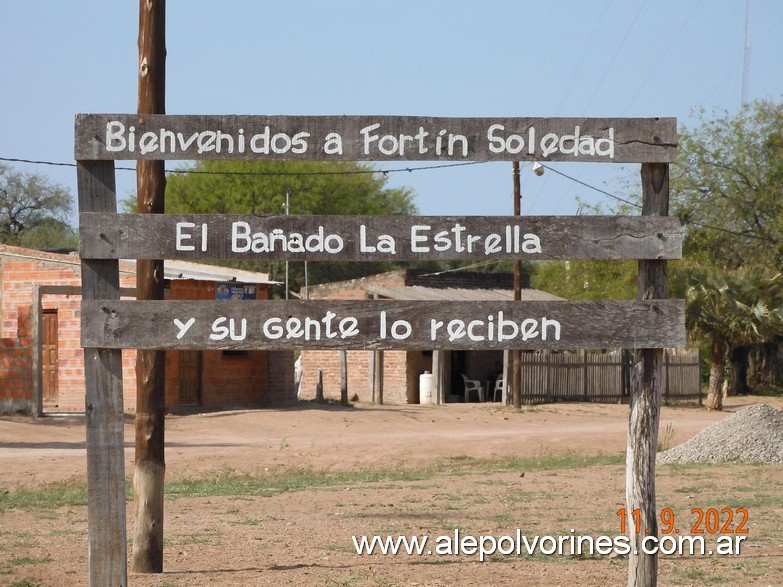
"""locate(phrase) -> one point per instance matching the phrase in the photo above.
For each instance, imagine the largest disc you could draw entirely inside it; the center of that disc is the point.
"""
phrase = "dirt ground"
(302, 536)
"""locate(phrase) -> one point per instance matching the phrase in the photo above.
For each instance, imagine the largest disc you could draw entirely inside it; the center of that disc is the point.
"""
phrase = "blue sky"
(598, 58)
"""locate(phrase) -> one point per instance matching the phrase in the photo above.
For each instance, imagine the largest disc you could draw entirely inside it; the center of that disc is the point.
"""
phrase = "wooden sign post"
(109, 325)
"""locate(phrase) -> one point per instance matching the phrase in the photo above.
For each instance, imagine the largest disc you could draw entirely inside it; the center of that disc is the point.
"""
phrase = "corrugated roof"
(175, 269)
(455, 294)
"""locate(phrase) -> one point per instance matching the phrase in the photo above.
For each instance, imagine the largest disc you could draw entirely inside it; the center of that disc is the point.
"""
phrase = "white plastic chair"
(498, 389)
(473, 385)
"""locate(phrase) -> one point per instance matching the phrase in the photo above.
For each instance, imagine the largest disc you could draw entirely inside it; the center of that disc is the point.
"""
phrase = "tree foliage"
(727, 309)
(587, 279)
(726, 189)
(260, 187)
(727, 186)
(34, 211)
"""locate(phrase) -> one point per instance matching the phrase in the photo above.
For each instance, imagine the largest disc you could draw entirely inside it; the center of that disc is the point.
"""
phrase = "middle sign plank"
(377, 238)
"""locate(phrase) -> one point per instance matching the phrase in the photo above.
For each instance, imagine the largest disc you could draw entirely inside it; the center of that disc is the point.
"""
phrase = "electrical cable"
(553, 170)
(268, 173)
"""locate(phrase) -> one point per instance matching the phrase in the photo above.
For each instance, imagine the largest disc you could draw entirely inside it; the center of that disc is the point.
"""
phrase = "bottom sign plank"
(381, 324)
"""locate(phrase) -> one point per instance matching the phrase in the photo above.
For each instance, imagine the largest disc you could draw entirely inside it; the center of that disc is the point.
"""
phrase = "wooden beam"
(383, 324)
(377, 238)
(150, 464)
(36, 327)
(374, 138)
(646, 387)
(103, 401)
(343, 378)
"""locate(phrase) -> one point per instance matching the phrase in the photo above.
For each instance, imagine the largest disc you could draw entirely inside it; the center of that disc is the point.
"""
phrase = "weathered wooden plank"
(646, 389)
(383, 324)
(103, 401)
(374, 138)
(377, 238)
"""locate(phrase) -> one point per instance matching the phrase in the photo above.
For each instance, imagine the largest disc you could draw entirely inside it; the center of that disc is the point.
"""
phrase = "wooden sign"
(377, 238)
(374, 138)
(353, 325)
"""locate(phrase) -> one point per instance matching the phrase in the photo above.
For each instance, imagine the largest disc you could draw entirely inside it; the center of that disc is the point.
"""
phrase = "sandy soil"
(304, 537)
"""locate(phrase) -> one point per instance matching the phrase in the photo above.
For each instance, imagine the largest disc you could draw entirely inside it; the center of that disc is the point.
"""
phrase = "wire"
(587, 185)
(616, 53)
(411, 169)
(474, 265)
(351, 172)
(52, 163)
(269, 173)
(669, 45)
(583, 55)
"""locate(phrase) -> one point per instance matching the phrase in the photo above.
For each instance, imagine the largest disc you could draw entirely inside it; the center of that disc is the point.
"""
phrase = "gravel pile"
(752, 435)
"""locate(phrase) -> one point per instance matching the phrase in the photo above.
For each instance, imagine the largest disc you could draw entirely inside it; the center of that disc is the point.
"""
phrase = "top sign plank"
(374, 138)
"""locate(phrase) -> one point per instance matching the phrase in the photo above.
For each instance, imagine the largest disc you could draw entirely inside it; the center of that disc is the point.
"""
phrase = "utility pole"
(516, 376)
(150, 471)
(287, 206)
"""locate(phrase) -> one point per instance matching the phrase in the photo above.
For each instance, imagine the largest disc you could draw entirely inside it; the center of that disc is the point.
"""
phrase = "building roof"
(175, 269)
(418, 292)
(172, 269)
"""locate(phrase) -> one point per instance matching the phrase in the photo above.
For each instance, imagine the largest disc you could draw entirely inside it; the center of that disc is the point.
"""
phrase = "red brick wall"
(228, 381)
(16, 381)
(20, 270)
(395, 369)
(233, 381)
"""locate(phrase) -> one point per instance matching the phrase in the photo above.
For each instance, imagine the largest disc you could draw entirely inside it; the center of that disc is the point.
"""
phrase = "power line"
(268, 173)
(616, 53)
(399, 170)
(587, 185)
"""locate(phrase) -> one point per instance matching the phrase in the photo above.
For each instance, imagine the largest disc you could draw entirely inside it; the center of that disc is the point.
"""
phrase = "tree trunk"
(715, 390)
(148, 478)
(738, 358)
(766, 363)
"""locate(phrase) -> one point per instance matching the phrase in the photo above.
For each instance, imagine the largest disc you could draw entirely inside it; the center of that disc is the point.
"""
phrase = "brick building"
(41, 361)
(401, 369)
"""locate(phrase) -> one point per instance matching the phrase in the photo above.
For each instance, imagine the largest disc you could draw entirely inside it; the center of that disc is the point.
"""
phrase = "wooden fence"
(602, 377)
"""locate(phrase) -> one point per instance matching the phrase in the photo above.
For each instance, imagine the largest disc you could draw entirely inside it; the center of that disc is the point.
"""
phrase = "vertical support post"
(371, 378)
(343, 378)
(379, 377)
(516, 382)
(646, 381)
(437, 368)
(319, 387)
(36, 325)
(107, 547)
(506, 374)
(585, 372)
(667, 362)
(149, 475)
(701, 398)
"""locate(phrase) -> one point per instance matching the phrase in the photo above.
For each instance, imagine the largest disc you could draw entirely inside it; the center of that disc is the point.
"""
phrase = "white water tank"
(427, 394)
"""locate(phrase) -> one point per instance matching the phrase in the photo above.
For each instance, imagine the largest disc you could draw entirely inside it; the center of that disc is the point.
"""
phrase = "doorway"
(49, 360)
(459, 365)
(189, 378)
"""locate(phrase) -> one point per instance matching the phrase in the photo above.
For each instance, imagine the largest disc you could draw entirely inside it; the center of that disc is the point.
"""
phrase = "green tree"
(34, 211)
(587, 279)
(727, 185)
(260, 187)
(726, 188)
(726, 309)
